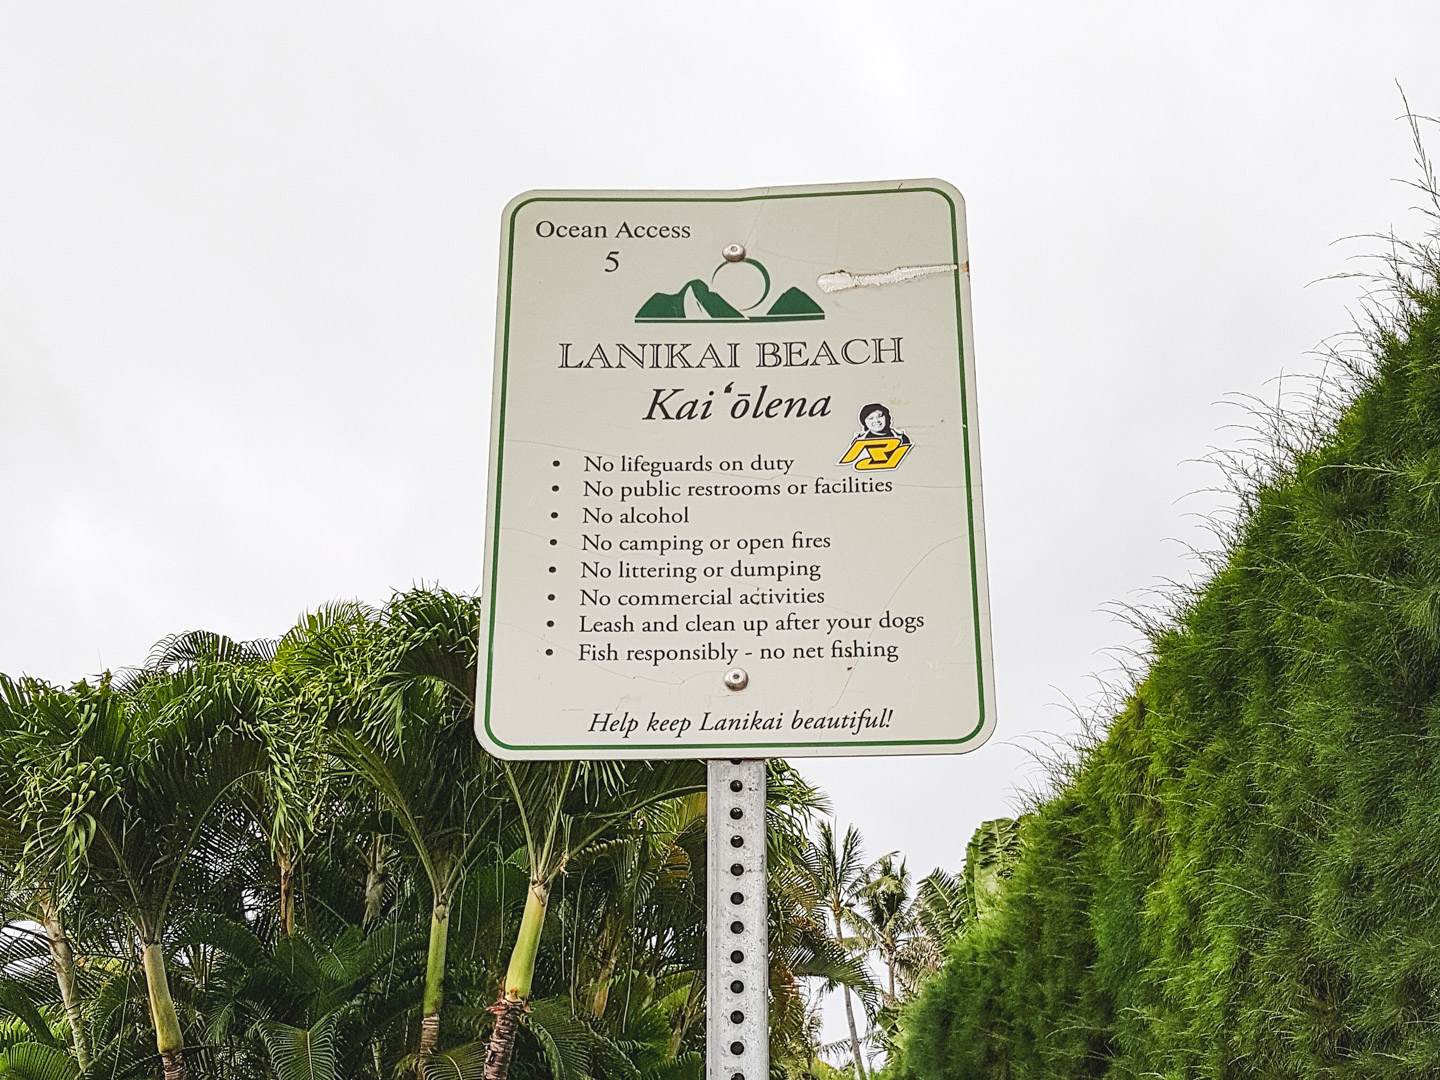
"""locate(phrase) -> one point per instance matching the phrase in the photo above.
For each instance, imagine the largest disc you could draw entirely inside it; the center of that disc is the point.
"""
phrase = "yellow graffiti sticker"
(868, 453)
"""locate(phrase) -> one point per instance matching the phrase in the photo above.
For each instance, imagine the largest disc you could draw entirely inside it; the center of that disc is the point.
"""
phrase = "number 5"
(614, 263)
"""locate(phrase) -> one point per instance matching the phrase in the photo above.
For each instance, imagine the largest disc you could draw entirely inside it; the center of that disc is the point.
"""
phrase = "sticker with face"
(878, 444)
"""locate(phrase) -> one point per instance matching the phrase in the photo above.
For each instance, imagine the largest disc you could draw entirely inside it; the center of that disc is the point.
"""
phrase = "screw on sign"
(733, 508)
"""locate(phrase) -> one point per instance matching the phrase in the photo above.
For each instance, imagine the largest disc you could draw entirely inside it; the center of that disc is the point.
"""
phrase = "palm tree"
(399, 684)
(23, 705)
(838, 869)
(39, 906)
(947, 905)
(801, 949)
(125, 787)
(285, 799)
(940, 908)
(636, 904)
(884, 915)
(326, 664)
(564, 808)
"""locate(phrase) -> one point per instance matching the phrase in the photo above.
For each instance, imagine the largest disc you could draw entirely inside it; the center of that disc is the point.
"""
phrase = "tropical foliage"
(292, 859)
(1238, 878)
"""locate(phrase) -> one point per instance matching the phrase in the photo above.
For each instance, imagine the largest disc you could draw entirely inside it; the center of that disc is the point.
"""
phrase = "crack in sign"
(840, 280)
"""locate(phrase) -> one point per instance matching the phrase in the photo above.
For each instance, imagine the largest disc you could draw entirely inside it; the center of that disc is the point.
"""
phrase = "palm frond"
(179, 651)
(566, 1039)
(16, 999)
(464, 1062)
(300, 1053)
(36, 1061)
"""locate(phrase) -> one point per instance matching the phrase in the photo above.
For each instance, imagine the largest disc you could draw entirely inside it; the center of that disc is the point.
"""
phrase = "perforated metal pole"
(738, 965)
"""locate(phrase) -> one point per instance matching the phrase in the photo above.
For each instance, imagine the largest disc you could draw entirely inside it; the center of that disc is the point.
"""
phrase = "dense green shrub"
(1243, 877)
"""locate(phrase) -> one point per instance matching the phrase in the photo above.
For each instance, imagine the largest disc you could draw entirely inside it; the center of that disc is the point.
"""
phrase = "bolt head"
(737, 679)
(733, 252)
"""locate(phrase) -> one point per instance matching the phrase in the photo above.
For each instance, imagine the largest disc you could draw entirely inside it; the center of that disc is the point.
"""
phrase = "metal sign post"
(734, 507)
(737, 998)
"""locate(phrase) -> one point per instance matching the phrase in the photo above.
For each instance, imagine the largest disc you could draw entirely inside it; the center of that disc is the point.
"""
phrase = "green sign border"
(500, 471)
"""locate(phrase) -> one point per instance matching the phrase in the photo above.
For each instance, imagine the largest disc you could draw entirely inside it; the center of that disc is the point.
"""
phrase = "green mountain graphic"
(670, 307)
(792, 306)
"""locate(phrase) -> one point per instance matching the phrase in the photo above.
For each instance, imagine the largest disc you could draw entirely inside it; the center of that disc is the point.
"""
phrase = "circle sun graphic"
(739, 282)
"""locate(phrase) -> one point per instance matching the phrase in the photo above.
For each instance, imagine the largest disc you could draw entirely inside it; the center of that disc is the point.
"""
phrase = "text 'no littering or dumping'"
(734, 504)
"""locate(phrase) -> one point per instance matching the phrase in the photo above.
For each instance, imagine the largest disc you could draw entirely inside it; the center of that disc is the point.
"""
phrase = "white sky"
(247, 271)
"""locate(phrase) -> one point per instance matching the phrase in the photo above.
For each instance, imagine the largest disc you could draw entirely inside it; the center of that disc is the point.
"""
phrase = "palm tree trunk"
(287, 891)
(689, 1013)
(375, 877)
(854, 1038)
(63, 960)
(168, 1038)
(518, 980)
(600, 997)
(502, 1038)
(837, 912)
(434, 981)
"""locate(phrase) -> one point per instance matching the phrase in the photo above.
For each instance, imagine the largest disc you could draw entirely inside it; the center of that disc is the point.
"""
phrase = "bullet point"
(553, 514)
(549, 652)
(554, 487)
(551, 596)
(552, 569)
(554, 542)
(556, 464)
(550, 622)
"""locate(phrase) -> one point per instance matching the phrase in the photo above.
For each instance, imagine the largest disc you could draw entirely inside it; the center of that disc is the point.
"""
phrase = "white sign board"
(734, 503)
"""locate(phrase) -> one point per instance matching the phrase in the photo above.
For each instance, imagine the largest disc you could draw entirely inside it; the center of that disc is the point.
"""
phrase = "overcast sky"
(247, 287)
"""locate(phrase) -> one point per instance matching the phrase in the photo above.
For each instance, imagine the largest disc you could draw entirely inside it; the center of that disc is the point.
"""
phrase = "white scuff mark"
(840, 280)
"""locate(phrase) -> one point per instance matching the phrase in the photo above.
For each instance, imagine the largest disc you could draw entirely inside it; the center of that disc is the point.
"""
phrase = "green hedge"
(1243, 877)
